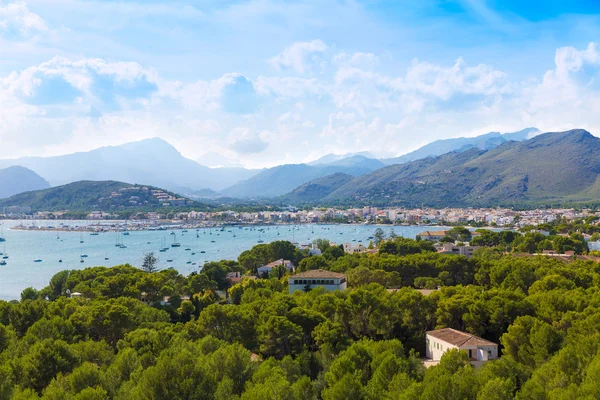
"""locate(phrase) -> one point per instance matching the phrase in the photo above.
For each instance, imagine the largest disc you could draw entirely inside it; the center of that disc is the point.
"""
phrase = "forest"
(133, 333)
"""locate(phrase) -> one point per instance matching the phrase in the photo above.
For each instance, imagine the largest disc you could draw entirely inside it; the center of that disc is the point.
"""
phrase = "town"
(476, 217)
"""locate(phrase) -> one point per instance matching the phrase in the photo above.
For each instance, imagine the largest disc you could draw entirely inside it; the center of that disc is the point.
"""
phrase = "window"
(295, 281)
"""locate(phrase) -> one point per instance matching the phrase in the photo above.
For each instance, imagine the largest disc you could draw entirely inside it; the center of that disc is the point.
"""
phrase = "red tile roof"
(458, 338)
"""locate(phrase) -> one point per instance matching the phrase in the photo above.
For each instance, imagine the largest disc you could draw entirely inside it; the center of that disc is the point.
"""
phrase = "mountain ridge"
(153, 161)
(438, 147)
(551, 167)
(313, 191)
(17, 179)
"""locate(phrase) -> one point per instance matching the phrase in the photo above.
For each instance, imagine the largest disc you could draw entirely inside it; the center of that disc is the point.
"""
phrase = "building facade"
(442, 340)
(317, 278)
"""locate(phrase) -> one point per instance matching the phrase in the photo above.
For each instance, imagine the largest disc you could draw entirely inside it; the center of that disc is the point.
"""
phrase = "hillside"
(152, 161)
(15, 180)
(313, 191)
(280, 180)
(552, 167)
(88, 196)
(487, 141)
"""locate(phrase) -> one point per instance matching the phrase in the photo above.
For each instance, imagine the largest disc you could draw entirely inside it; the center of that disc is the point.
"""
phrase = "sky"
(265, 82)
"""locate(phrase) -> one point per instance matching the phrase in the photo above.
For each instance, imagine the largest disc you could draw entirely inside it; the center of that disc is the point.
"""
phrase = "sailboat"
(125, 231)
(5, 254)
(164, 248)
(81, 238)
(175, 243)
(259, 239)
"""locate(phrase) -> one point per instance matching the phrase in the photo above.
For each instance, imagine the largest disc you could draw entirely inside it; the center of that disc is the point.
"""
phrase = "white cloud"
(358, 104)
(298, 55)
(16, 18)
(245, 141)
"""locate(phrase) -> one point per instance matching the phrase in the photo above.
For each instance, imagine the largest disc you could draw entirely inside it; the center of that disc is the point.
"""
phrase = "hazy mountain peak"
(486, 141)
(17, 179)
(153, 145)
(331, 157)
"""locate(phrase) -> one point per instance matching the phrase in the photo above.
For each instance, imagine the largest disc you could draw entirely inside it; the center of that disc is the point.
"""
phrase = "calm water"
(23, 247)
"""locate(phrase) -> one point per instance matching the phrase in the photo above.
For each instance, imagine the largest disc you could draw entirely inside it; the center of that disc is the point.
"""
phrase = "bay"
(25, 246)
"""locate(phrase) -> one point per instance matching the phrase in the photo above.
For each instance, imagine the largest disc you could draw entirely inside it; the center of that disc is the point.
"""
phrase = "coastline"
(150, 225)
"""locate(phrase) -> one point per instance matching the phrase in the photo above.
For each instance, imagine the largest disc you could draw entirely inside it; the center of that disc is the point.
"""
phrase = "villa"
(442, 340)
(266, 269)
(317, 278)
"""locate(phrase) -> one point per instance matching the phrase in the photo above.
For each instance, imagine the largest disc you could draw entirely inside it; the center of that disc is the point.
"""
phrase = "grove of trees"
(145, 334)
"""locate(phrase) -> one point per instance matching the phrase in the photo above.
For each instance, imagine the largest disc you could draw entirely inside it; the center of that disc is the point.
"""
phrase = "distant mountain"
(550, 168)
(315, 190)
(15, 180)
(203, 194)
(88, 196)
(358, 161)
(151, 161)
(330, 158)
(487, 141)
(283, 179)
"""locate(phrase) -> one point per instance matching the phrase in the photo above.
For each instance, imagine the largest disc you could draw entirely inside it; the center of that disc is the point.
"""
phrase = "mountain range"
(280, 180)
(550, 168)
(486, 141)
(150, 162)
(156, 162)
(18, 179)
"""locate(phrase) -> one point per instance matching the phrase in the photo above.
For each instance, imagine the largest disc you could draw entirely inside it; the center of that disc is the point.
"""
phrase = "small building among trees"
(442, 340)
(317, 278)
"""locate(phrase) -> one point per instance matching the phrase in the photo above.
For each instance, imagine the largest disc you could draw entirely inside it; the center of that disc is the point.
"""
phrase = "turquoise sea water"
(23, 247)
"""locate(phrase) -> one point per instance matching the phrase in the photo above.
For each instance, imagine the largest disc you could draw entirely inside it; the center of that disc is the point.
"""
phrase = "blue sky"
(266, 82)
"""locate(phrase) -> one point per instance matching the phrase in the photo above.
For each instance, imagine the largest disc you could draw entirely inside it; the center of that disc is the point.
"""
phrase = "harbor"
(60, 250)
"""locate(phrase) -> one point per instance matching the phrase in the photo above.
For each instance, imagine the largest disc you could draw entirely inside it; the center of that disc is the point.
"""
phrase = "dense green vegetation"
(86, 196)
(139, 335)
(551, 168)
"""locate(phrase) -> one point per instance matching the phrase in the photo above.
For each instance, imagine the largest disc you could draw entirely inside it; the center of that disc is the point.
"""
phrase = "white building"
(442, 340)
(266, 269)
(317, 278)
(451, 248)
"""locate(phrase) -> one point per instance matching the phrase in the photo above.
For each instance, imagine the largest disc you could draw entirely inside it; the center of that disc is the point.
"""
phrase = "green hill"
(317, 189)
(548, 169)
(108, 196)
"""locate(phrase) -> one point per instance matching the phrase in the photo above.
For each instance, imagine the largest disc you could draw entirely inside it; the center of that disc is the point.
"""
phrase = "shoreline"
(138, 227)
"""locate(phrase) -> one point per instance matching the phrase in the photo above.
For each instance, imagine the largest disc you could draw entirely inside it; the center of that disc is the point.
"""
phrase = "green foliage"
(124, 340)
(86, 196)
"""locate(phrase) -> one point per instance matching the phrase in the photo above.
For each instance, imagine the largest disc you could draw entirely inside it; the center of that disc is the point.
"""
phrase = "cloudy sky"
(266, 82)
